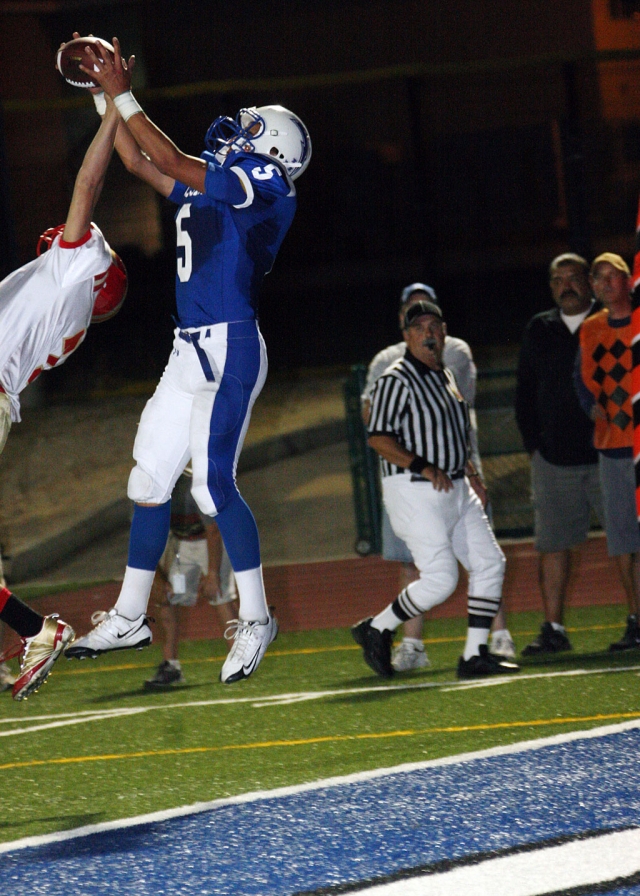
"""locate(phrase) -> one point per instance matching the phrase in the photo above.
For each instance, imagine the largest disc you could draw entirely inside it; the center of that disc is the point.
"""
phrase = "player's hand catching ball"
(76, 65)
(112, 73)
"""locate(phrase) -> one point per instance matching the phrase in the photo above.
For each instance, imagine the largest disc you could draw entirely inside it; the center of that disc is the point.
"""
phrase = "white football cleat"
(502, 644)
(250, 641)
(39, 653)
(112, 632)
(406, 657)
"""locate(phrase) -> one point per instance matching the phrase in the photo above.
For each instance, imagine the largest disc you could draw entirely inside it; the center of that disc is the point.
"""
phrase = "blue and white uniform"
(227, 240)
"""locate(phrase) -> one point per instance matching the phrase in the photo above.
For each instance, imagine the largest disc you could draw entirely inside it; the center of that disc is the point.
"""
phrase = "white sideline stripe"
(548, 870)
(95, 717)
(355, 778)
(91, 715)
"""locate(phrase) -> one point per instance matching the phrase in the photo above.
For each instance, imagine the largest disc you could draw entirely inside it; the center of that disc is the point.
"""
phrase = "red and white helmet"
(47, 238)
(110, 290)
(110, 287)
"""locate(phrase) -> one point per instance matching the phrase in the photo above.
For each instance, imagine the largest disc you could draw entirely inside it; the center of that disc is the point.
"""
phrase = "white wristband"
(127, 105)
(100, 101)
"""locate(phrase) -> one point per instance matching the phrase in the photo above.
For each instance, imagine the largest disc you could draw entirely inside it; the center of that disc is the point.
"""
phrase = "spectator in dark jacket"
(559, 438)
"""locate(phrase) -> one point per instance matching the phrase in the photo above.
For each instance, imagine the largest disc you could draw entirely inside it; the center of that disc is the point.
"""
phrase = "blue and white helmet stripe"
(269, 130)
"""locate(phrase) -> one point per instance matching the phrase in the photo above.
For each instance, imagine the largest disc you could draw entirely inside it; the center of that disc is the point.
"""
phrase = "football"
(72, 55)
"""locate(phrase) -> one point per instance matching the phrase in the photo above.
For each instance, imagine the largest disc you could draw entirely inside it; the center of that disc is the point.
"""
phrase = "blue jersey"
(228, 238)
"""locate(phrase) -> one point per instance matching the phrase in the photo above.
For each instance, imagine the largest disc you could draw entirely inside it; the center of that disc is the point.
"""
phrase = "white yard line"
(547, 870)
(60, 720)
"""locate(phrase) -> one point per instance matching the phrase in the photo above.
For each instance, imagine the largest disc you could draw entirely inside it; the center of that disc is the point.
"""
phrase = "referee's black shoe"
(376, 646)
(485, 664)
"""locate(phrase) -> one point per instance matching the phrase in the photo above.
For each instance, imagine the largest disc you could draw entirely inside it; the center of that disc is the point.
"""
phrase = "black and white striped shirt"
(424, 411)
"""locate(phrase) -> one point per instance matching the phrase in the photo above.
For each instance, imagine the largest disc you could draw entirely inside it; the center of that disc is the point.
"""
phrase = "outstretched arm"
(137, 163)
(90, 177)
(114, 76)
(132, 157)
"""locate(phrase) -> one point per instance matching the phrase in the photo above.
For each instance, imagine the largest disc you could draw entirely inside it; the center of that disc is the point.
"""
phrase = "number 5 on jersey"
(185, 264)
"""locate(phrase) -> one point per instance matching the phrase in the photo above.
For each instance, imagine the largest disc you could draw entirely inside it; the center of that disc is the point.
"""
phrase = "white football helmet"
(269, 130)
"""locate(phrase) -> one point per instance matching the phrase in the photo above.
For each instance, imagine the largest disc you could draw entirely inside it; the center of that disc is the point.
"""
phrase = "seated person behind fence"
(193, 566)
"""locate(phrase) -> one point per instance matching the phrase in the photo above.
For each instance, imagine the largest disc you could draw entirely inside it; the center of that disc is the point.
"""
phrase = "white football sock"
(134, 594)
(253, 602)
(415, 642)
(475, 637)
(387, 620)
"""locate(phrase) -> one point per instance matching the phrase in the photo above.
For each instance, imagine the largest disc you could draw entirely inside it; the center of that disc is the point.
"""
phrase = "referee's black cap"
(420, 308)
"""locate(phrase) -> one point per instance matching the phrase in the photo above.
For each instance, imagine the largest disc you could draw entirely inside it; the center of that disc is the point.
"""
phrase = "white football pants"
(200, 411)
(440, 529)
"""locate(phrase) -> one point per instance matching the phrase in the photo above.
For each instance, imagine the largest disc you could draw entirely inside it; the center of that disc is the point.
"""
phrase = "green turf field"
(93, 745)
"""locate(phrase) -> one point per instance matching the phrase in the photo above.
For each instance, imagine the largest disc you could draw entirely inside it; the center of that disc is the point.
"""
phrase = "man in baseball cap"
(408, 293)
(605, 389)
(418, 309)
(614, 260)
(409, 654)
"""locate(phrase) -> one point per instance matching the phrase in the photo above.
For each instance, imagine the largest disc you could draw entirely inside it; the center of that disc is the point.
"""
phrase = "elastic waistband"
(234, 329)
(457, 475)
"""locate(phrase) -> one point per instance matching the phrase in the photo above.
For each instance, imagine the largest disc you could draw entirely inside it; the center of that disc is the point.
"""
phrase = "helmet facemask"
(271, 131)
(110, 290)
(47, 238)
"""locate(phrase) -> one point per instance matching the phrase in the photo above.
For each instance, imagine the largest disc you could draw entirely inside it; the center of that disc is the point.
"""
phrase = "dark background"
(462, 143)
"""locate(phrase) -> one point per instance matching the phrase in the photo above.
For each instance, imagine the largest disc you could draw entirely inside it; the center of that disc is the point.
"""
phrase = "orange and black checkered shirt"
(605, 351)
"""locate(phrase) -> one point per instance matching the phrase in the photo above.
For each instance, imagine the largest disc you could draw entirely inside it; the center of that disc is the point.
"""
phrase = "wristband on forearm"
(100, 102)
(127, 105)
(418, 464)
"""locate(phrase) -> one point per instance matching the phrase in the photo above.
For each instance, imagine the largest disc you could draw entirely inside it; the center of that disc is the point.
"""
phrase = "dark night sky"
(449, 175)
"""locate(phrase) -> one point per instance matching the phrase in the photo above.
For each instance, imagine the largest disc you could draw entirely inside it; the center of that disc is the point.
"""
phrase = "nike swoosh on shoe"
(129, 633)
(248, 668)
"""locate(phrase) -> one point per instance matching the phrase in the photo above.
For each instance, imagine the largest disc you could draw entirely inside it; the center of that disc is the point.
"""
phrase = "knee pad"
(213, 496)
(434, 586)
(143, 489)
(487, 577)
(202, 497)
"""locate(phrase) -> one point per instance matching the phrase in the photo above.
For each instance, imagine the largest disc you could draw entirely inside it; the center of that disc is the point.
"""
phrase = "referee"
(419, 426)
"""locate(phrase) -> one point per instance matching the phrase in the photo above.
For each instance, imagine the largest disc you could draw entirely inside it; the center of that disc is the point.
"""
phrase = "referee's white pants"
(440, 529)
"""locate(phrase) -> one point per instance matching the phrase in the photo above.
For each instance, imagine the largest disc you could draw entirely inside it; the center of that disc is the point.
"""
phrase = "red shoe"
(39, 653)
